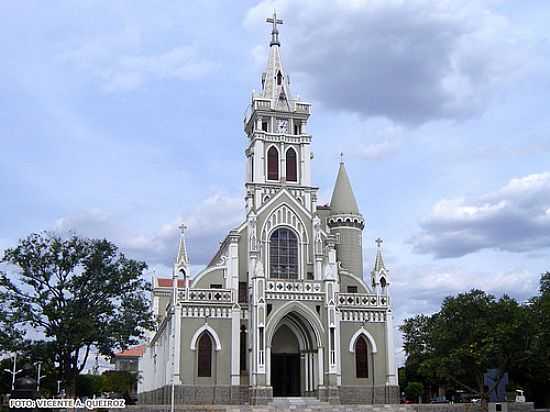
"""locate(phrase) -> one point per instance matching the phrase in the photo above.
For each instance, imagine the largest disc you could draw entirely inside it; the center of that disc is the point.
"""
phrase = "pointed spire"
(379, 261)
(182, 261)
(275, 82)
(343, 199)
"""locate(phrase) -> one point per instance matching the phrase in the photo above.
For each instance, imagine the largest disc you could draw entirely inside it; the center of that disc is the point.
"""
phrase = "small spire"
(379, 261)
(182, 261)
(274, 32)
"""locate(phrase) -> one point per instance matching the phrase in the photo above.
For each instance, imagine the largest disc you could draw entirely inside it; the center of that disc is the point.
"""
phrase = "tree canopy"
(474, 332)
(77, 294)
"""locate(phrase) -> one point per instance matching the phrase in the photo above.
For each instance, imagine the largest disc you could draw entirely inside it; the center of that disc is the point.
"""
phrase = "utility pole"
(13, 372)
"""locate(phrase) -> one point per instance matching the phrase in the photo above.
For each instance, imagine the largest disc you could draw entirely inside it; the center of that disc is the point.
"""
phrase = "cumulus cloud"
(207, 223)
(118, 70)
(409, 61)
(515, 218)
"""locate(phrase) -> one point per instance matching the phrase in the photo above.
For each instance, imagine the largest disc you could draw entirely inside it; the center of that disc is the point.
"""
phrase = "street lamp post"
(13, 372)
(39, 376)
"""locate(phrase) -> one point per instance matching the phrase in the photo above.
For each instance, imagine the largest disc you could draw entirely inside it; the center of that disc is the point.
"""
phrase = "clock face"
(282, 126)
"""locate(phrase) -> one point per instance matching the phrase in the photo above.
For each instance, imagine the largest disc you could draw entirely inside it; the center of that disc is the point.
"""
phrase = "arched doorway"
(285, 363)
(295, 357)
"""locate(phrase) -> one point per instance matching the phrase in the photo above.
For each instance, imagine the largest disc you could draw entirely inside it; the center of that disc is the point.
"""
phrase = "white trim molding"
(212, 333)
(362, 331)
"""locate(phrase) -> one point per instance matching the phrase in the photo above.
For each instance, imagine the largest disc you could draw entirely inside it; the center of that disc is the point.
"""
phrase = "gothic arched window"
(204, 360)
(361, 359)
(283, 254)
(291, 167)
(273, 163)
(279, 78)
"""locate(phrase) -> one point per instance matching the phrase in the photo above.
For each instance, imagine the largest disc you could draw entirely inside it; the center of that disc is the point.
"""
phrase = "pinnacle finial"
(379, 242)
(182, 228)
(274, 32)
(341, 157)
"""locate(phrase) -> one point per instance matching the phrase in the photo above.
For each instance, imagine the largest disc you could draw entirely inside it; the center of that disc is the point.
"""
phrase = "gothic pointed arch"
(213, 334)
(291, 165)
(204, 355)
(273, 163)
(362, 332)
(361, 358)
(305, 313)
(283, 254)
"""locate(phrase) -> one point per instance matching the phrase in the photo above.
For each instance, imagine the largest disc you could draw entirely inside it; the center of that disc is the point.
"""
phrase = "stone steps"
(296, 403)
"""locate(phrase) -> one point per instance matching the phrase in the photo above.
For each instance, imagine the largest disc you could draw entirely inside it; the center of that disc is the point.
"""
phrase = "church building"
(284, 308)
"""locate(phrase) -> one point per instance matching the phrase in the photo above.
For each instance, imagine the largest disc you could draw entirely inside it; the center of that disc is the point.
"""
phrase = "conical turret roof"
(343, 199)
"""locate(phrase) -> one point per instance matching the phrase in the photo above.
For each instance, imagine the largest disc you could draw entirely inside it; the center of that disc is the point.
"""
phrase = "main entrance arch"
(294, 349)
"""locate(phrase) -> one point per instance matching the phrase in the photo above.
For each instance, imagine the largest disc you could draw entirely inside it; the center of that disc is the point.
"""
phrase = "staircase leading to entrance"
(297, 402)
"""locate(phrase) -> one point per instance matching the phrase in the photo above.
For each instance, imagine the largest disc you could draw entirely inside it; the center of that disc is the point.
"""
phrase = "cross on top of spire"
(182, 228)
(379, 242)
(275, 32)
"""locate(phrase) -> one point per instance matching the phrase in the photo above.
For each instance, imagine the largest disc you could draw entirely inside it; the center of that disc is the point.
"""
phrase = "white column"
(391, 377)
(321, 368)
(177, 345)
(235, 345)
(306, 366)
(268, 365)
(337, 347)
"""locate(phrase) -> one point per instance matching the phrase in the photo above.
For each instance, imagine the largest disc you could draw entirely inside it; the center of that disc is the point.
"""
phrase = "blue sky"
(121, 119)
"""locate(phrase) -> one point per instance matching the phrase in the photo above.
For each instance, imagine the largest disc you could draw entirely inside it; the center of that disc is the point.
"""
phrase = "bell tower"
(278, 154)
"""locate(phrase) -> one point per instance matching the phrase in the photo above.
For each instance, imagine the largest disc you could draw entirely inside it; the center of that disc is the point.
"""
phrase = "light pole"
(14, 371)
(39, 376)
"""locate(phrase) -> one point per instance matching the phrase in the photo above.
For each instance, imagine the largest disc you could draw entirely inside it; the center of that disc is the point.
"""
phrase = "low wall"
(525, 407)
(364, 394)
(196, 395)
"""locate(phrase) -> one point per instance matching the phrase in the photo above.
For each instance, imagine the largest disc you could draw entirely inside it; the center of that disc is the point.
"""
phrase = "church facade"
(283, 308)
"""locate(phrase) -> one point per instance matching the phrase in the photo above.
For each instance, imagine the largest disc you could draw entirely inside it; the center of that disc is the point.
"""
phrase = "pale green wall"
(216, 276)
(221, 365)
(377, 330)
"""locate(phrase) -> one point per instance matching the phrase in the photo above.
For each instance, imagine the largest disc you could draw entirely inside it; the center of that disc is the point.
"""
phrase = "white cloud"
(123, 66)
(513, 218)
(410, 61)
(208, 223)
(376, 151)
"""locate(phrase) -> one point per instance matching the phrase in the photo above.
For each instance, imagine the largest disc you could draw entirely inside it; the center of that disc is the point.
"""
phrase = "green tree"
(414, 390)
(79, 294)
(89, 385)
(120, 382)
(471, 333)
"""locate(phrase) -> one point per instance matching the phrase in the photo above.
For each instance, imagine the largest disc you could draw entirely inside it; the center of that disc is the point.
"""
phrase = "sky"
(123, 119)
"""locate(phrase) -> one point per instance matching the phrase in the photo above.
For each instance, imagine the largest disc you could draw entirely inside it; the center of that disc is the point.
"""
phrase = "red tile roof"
(135, 351)
(167, 283)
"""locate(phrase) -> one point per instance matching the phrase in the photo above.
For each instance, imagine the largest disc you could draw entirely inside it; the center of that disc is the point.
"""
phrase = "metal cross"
(379, 242)
(341, 157)
(182, 228)
(274, 33)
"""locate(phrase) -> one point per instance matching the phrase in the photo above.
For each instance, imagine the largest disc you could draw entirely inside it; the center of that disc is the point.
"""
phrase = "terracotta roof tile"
(135, 351)
(167, 283)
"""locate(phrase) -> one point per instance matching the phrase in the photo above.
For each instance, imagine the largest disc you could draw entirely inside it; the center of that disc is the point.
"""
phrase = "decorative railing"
(206, 296)
(361, 300)
(261, 104)
(303, 107)
(293, 286)
(283, 138)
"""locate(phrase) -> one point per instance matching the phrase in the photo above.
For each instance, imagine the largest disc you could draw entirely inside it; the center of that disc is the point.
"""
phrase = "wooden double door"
(285, 374)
